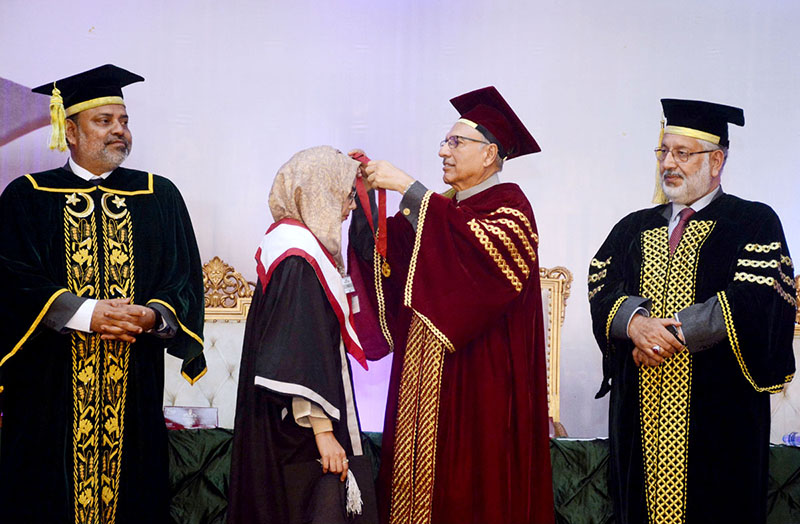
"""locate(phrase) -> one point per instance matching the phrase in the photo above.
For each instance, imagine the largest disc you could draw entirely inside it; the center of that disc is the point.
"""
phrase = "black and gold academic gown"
(690, 438)
(83, 436)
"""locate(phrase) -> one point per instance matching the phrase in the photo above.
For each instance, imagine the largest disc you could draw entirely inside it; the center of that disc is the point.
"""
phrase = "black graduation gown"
(292, 337)
(701, 425)
(84, 438)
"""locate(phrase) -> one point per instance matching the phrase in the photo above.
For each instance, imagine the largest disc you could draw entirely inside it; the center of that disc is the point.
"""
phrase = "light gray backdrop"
(234, 88)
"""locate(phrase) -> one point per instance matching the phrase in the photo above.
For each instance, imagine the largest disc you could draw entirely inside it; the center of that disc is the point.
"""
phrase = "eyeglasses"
(680, 156)
(454, 141)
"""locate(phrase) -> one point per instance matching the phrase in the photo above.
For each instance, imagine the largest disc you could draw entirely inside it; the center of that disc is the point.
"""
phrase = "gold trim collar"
(101, 187)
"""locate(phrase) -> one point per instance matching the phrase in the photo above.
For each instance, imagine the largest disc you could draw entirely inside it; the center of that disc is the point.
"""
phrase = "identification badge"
(347, 282)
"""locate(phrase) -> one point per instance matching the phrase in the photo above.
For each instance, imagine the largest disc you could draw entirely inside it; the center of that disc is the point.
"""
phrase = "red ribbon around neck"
(361, 190)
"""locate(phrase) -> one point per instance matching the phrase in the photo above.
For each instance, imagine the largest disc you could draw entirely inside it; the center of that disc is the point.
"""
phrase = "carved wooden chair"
(556, 283)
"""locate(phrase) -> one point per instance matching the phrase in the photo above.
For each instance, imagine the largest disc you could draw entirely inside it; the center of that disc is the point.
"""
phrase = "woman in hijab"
(295, 401)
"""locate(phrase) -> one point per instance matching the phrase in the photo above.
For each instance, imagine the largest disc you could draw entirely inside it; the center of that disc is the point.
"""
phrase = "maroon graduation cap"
(488, 112)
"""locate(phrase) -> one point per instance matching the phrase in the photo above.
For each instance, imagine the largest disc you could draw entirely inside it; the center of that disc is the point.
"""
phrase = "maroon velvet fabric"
(493, 461)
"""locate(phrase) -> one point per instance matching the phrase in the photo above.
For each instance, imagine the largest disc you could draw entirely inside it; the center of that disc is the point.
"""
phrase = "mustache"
(119, 139)
(675, 173)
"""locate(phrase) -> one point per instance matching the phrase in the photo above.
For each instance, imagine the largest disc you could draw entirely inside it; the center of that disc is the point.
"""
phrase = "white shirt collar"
(84, 173)
(474, 190)
(697, 206)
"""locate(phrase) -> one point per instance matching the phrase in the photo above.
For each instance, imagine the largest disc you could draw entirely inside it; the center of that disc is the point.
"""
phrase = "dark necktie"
(675, 237)
(96, 181)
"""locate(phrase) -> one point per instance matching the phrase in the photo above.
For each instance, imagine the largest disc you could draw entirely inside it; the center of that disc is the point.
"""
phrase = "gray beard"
(692, 188)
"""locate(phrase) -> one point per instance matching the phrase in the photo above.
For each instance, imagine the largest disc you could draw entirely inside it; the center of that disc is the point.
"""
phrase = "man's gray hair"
(498, 162)
(710, 146)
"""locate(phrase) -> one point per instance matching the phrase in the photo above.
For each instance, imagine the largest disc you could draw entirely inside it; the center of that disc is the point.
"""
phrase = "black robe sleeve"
(608, 294)
(29, 282)
(759, 304)
(292, 340)
(179, 286)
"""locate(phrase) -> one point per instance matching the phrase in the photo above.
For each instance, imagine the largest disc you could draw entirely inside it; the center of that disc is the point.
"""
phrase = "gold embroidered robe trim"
(100, 368)
(416, 426)
(664, 391)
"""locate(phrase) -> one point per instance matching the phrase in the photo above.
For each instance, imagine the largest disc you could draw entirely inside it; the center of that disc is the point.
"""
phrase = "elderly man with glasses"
(456, 294)
(693, 307)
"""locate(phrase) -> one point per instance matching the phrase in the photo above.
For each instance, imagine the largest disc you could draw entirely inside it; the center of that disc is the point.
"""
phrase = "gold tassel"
(58, 121)
(658, 194)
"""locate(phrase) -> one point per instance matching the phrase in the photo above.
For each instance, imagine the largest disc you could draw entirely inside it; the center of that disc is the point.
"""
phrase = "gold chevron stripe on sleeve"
(483, 238)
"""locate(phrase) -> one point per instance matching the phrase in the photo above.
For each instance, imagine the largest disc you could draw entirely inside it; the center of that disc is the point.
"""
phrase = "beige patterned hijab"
(312, 187)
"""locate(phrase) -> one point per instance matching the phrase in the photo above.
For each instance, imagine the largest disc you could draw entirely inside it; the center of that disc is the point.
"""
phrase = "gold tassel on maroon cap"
(58, 137)
(659, 197)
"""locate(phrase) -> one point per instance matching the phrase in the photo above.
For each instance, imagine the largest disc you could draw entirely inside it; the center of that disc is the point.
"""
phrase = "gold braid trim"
(611, 315)
(517, 229)
(600, 264)
(734, 342)
(377, 274)
(521, 216)
(483, 238)
(665, 390)
(596, 290)
(597, 277)
(763, 248)
(412, 267)
(414, 465)
(786, 260)
(423, 211)
(509, 244)
(768, 281)
(764, 264)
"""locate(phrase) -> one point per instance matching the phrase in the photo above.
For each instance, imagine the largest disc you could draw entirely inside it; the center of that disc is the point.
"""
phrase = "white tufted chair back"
(228, 297)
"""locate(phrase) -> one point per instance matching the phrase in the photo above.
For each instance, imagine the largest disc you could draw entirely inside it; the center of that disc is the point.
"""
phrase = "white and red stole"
(289, 237)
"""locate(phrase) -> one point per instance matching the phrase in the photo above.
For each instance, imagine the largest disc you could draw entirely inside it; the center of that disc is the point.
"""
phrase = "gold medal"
(385, 269)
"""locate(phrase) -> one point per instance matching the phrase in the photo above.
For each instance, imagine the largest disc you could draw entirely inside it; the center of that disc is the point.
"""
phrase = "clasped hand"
(118, 319)
(648, 333)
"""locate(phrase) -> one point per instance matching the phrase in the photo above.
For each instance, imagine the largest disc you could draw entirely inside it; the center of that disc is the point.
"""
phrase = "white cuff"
(308, 415)
(82, 319)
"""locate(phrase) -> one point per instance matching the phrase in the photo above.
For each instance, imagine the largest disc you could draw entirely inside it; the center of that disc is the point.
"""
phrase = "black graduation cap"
(487, 111)
(93, 88)
(703, 120)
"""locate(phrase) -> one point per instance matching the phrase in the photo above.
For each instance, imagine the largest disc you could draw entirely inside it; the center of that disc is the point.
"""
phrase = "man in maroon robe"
(457, 296)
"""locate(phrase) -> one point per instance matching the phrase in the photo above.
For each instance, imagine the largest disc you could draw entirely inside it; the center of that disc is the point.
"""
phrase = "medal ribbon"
(361, 190)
